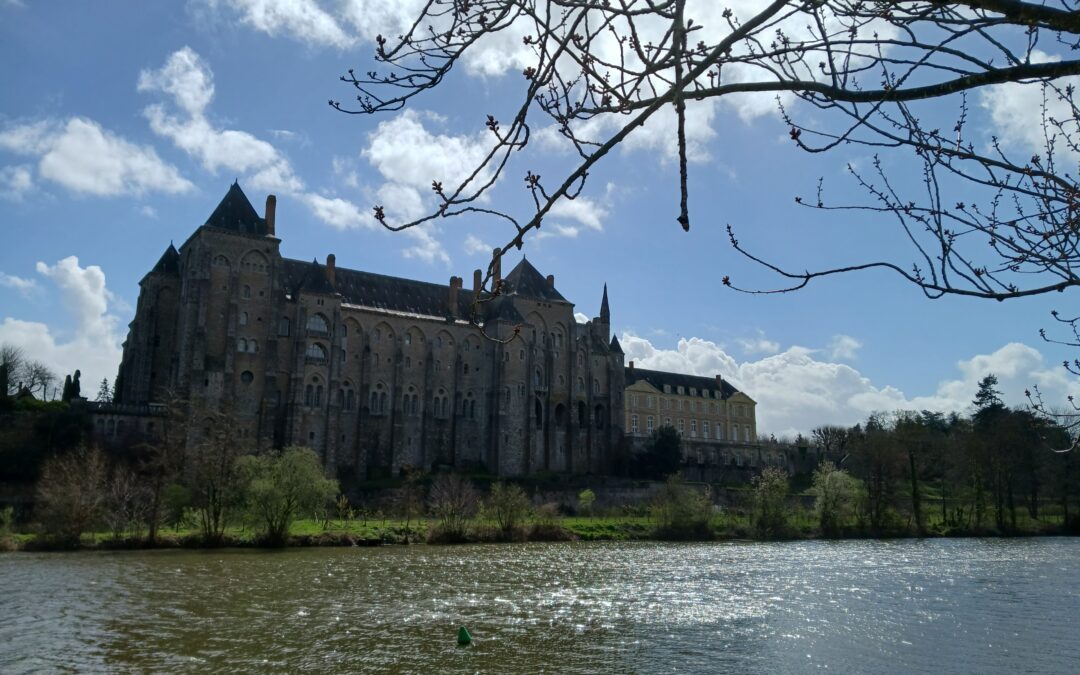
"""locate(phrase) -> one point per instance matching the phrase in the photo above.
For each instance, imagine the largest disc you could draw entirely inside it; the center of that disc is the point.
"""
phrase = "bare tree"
(832, 440)
(213, 473)
(126, 501)
(12, 358)
(864, 73)
(37, 377)
(162, 455)
(71, 493)
(454, 502)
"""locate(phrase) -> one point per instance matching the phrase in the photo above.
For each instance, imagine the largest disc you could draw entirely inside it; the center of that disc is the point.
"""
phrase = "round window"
(246, 377)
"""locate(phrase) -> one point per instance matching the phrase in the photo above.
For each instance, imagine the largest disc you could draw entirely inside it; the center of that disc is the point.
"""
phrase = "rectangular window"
(693, 428)
(649, 401)
(705, 429)
(649, 423)
(633, 424)
(667, 421)
(682, 425)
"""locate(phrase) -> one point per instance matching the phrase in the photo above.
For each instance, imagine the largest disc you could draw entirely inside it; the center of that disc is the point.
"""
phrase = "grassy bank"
(303, 533)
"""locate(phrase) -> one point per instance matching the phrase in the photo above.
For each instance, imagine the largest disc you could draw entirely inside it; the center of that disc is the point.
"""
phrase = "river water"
(936, 606)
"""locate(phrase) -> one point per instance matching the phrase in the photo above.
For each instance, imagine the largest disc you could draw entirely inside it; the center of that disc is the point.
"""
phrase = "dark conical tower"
(605, 313)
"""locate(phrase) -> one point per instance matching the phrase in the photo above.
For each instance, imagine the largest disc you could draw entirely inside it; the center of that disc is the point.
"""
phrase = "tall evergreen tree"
(988, 397)
(104, 394)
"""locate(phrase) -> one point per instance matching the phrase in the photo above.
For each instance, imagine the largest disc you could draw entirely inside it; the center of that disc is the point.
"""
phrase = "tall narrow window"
(243, 318)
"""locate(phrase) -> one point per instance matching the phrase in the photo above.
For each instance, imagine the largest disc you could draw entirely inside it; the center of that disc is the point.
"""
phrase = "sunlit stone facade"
(373, 372)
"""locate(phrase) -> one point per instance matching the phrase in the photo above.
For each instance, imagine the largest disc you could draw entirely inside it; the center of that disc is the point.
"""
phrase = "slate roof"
(236, 213)
(169, 263)
(526, 281)
(378, 291)
(615, 347)
(658, 378)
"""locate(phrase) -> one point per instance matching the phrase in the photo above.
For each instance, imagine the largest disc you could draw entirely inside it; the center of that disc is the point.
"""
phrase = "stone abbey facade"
(372, 372)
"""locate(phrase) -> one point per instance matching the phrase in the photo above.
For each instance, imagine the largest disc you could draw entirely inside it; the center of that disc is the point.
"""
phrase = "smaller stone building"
(716, 421)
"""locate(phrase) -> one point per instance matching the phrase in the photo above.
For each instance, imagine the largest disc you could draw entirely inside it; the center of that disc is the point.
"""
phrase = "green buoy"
(463, 637)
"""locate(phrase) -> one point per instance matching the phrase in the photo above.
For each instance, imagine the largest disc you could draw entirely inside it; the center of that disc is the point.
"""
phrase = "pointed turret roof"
(615, 346)
(314, 279)
(526, 281)
(236, 213)
(169, 262)
(605, 313)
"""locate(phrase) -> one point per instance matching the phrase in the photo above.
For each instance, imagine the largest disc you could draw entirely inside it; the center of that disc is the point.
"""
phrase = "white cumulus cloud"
(15, 182)
(758, 344)
(23, 286)
(474, 245)
(83, 157)
(844, 348)
(93, 343)
(303, 20)
(796, 390)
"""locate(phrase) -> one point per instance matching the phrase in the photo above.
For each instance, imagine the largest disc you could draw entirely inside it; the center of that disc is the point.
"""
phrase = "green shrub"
(280, 486)
(508, 506)
(681, 511)
(770, 511)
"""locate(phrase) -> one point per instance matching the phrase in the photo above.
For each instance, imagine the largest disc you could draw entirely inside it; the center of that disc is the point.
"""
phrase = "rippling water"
(971, 606)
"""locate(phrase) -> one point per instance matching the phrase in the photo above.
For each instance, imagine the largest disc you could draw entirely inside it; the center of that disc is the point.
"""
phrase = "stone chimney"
(720, 384)
(551, 281)
(452, 301)
(496, 271)
(631, 367)
(331, 269)
(477, 280)
(271, 214)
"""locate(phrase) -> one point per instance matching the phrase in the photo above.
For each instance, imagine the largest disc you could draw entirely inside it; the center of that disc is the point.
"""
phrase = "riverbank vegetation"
(905, 474)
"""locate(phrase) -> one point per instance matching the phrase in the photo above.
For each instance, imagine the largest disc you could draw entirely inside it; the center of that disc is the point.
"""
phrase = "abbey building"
(376, 372)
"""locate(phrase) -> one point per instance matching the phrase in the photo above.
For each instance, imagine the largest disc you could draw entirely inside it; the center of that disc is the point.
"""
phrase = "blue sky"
(123, 124)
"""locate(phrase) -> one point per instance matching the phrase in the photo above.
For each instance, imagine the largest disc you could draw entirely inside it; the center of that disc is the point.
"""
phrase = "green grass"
(730, 524)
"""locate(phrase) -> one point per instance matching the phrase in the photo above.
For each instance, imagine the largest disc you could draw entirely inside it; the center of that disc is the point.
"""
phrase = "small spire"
(605, 313)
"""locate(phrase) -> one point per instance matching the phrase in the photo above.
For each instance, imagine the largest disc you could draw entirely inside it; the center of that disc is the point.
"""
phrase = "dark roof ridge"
(235, 213)
(349, 270)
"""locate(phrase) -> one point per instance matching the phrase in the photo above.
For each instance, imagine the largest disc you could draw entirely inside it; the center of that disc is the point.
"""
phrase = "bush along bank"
(455, 512)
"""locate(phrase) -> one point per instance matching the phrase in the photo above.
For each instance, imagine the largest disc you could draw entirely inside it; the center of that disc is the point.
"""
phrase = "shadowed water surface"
(986, 606)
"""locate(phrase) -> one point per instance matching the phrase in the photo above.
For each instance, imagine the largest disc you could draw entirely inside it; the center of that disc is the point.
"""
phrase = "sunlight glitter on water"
(952, 606)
